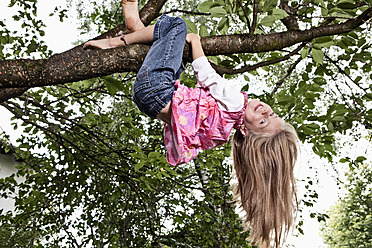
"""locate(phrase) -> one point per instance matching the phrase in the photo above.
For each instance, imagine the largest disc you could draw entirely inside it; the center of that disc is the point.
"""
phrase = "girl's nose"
(265, 110)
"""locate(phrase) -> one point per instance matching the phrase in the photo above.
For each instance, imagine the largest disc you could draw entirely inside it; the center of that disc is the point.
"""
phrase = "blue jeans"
(154, 85)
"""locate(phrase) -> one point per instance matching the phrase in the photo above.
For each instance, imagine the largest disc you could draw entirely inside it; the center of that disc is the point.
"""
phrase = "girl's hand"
(192, 37)
(196, 46)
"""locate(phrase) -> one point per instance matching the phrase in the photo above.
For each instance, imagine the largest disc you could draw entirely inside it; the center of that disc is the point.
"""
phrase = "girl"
(264, 146)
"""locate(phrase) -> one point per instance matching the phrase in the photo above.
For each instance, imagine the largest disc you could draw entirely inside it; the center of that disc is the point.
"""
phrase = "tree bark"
(78, 64)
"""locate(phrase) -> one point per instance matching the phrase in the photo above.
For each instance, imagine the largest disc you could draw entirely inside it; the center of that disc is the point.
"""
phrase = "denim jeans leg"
(154, 85)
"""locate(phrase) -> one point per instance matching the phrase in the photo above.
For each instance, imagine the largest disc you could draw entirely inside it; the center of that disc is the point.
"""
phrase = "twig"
(245, 14)
(254, 21)
(289, 71)
(344, 73)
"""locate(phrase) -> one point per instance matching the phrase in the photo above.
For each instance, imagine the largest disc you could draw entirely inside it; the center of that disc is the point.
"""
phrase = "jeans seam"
(157, 27)
(168, 52)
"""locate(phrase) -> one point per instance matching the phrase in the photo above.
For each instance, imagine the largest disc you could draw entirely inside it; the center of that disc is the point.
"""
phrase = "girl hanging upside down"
(264, 146)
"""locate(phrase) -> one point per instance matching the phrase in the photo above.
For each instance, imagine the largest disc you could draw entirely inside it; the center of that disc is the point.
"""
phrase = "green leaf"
(207, 6)
(113, 85)
(305, 52)
(330, 127)
(323, 42)
(268, 5)
(346, 4)
(191, 27)
(285, 100)
(268, 21)
(320, 81)
(218, 12)
(111, 89)
(223, 24)
(344, 160)
(219, 2)
(338, 118)
(154, 155)
(318, 55)
(368, 96)
(276, 14)
(279, 13)
(203, 31)
(357, 79)
(360, 159)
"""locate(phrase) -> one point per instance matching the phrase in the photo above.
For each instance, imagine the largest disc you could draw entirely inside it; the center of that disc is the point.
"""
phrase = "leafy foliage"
(94, 166)
(350, 218)
(101, 171)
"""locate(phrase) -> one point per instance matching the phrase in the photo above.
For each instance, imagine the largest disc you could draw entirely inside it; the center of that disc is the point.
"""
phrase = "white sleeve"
(228, 96)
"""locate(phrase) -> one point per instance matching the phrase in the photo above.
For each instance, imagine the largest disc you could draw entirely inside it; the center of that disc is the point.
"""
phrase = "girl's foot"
(97, 44)
(133, 22)
(103, 43)
(132, 19)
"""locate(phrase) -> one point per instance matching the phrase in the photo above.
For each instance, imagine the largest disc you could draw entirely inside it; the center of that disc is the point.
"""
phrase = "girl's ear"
(243, 130)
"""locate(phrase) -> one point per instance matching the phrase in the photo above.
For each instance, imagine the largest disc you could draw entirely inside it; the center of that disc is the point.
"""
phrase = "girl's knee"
(181, 23)
(177, 22)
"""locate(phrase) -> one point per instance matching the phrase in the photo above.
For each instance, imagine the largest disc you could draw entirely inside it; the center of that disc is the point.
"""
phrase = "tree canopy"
(350, 219)
(94, 166)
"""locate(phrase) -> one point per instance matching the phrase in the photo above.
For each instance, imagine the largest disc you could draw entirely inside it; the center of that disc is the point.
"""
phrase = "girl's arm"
(228, 96)
(196, 46)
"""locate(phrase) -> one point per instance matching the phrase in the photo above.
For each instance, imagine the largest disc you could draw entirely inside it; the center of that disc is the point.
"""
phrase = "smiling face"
(260, 118)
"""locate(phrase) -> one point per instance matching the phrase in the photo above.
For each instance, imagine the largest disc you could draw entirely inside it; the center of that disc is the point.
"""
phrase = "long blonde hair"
(266, 188)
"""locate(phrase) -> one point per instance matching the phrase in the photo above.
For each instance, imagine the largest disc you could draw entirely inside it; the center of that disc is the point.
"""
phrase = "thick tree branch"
(148, 13)
(186, 12)
(79, 65)
(9, 93)
(229, 44)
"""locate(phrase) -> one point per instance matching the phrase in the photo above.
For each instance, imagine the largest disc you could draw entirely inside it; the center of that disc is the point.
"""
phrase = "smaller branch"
(47, 109)
(245, 14)
(327, 18)
(338, 88)
(290, 21)
(202, 174)
(289, 71)
(52, 134)
(254, 21)
(344, 73)
(327, 21)
(187, 186)
(230, 71)
(298, 103)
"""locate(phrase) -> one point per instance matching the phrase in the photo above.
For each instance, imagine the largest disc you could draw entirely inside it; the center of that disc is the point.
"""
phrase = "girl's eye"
(262, 122)
(272, 114)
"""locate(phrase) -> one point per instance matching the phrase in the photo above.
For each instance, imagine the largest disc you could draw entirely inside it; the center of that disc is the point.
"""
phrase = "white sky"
(59, 37)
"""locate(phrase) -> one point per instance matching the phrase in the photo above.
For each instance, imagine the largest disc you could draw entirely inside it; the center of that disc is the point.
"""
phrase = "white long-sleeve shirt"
(228, 96)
